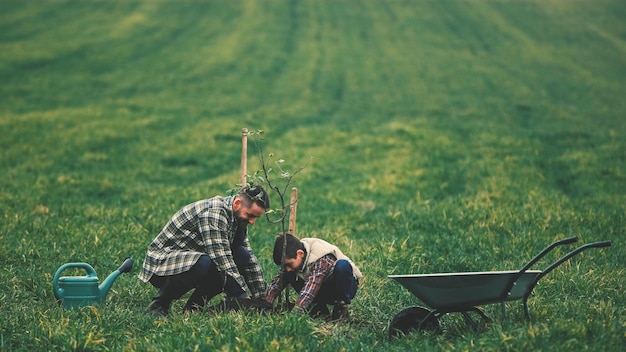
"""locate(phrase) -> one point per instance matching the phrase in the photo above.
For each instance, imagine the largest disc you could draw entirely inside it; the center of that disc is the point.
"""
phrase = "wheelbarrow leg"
(486, 319)
(526, 312)
(471, 321)
(414, 318)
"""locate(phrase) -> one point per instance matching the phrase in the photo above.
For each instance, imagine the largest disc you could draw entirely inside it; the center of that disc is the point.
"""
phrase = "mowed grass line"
(445, 136)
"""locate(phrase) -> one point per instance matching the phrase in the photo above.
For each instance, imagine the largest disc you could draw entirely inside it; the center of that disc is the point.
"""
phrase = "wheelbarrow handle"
(600, 244)
(571, 254)
(553, 265)
(568, 240)
(532, 262)
(546, 251)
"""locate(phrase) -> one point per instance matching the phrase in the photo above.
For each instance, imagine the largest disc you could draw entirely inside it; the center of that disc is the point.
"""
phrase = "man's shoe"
(157, 309)
(192, 308)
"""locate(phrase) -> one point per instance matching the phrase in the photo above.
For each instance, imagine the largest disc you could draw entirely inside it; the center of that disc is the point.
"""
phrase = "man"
(205, 246)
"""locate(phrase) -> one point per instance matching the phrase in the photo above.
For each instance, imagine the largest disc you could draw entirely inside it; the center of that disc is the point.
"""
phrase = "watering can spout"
(108, 282)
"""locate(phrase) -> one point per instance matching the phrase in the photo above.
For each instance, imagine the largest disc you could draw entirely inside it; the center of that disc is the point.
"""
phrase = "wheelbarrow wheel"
(413, 318)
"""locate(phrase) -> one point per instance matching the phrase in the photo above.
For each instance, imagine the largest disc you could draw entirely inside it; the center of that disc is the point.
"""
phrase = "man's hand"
(253, 304)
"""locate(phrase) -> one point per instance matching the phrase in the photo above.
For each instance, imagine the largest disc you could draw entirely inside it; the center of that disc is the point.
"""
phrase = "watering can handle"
(55, 281)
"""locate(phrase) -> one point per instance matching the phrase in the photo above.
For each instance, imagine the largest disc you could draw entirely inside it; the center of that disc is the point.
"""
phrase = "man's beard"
(240, 221)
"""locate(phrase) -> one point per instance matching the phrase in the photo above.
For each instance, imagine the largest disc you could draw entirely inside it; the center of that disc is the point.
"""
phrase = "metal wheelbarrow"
(463, 292)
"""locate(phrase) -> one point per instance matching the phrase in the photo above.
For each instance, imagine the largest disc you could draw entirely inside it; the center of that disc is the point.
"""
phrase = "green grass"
(445, 135)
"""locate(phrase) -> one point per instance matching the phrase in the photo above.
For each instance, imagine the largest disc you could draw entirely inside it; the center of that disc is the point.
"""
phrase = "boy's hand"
(285, 306)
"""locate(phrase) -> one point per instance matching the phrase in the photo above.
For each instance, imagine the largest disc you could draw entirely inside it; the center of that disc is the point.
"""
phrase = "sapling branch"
(281, 190)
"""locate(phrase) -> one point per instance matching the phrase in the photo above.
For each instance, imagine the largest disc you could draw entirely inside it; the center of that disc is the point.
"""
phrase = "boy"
(319, 271)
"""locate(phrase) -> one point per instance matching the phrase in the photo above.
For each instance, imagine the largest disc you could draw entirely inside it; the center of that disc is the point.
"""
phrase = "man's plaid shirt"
(205, 227)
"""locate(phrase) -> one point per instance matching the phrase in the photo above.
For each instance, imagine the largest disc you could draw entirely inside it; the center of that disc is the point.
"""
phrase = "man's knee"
(242, 256)
(202, 266)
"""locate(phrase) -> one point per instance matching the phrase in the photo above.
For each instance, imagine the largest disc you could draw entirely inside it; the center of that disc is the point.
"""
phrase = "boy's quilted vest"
(317, 248)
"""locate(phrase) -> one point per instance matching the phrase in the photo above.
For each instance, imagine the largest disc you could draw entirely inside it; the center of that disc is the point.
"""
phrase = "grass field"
(444, 135)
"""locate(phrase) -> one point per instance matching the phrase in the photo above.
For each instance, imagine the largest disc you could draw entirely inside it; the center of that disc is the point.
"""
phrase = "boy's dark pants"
(204, 277)
(341, 286)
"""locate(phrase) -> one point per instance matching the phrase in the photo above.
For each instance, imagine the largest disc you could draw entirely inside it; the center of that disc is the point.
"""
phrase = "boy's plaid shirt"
(208, 227)
(321, 269)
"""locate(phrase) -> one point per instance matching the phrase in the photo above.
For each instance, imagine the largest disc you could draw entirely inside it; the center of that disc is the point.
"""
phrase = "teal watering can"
(79, 291)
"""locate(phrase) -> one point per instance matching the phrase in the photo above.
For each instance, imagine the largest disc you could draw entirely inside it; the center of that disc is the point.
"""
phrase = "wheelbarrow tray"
(448, 292)
(464, 292)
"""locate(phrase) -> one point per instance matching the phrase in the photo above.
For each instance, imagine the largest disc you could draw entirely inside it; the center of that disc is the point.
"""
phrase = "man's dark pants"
(204, 277)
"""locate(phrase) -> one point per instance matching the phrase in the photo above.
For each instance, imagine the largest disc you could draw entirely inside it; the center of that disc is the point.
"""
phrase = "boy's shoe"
(319, 310)
(340, 312)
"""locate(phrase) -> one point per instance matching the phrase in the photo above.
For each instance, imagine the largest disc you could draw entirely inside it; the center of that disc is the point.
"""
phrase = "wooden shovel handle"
(293, 205)
(244, 156)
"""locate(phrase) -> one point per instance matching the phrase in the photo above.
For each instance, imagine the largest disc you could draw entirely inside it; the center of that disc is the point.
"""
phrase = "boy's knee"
(343, 267)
